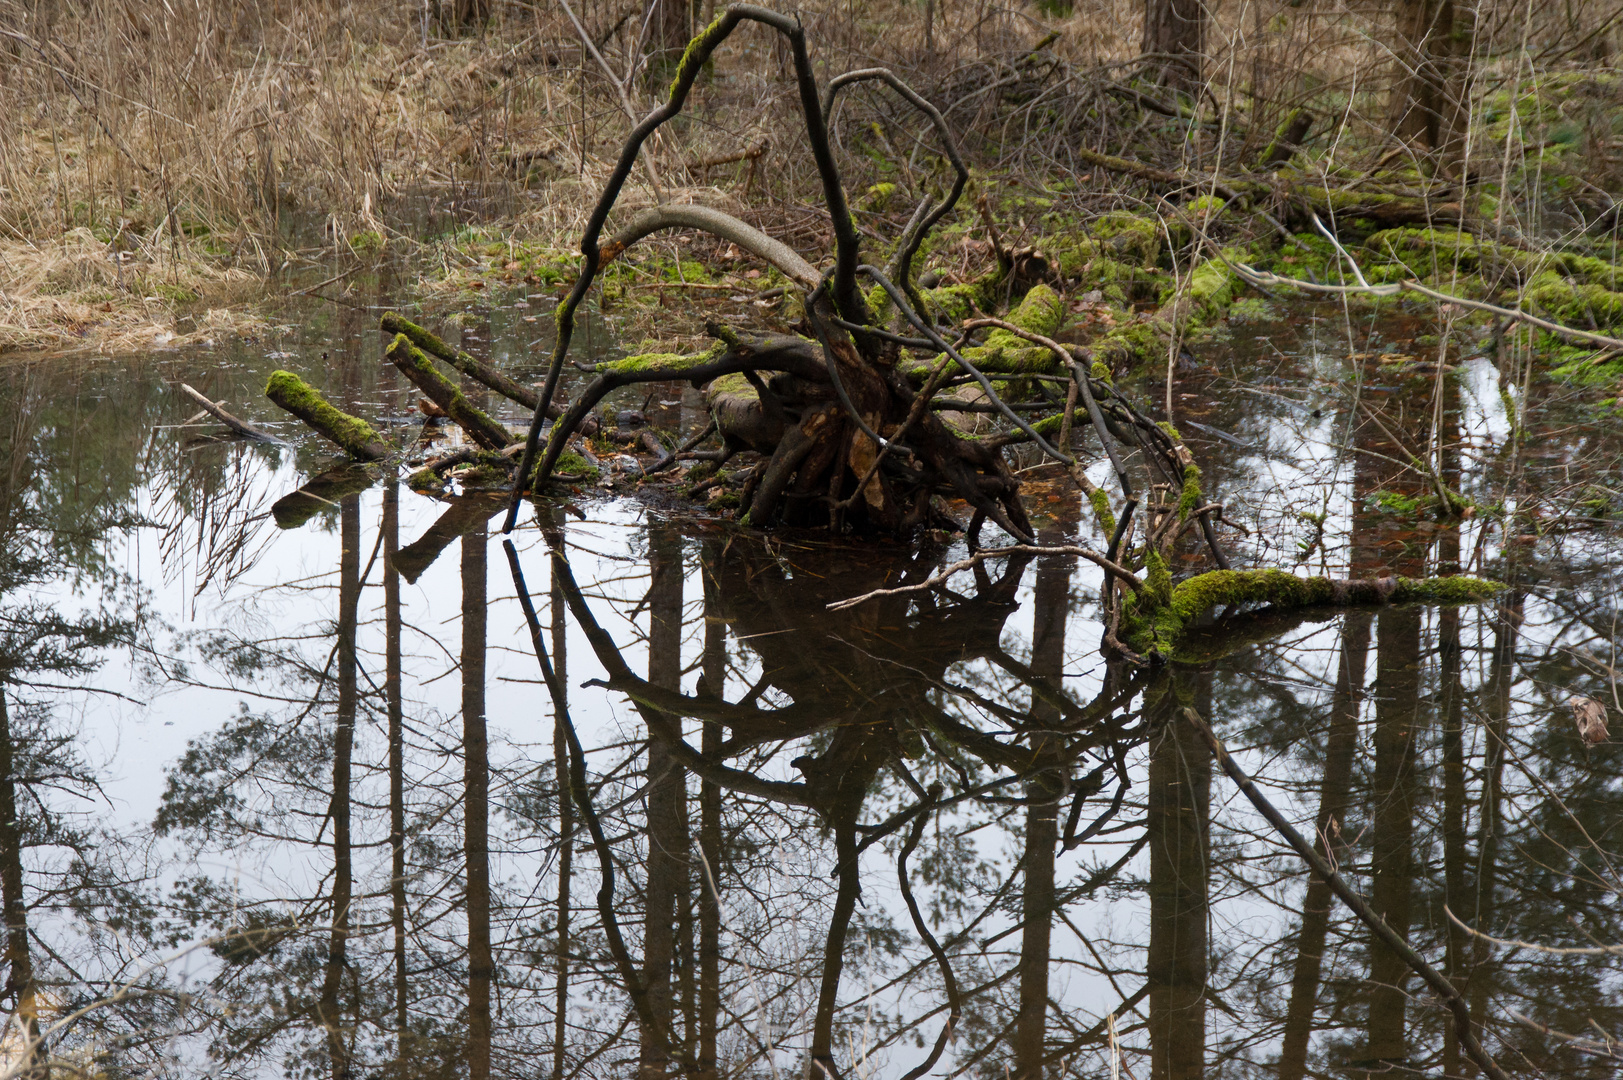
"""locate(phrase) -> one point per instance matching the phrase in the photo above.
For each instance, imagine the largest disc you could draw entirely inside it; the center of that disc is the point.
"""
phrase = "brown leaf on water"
(1590, 716)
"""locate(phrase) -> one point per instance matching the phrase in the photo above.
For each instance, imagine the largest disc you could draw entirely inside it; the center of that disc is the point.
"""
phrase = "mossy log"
(1156, 618)
(352, 434)
(468, 364)
(321, 492)
(415, 365)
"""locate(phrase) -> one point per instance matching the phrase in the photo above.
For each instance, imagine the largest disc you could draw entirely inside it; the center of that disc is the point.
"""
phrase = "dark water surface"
(296, 799)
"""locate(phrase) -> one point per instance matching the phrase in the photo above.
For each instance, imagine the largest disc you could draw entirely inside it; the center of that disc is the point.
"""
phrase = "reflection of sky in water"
(1270, 702)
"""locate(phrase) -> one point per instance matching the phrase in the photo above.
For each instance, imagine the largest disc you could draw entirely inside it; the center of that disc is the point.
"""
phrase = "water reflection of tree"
(63, 607)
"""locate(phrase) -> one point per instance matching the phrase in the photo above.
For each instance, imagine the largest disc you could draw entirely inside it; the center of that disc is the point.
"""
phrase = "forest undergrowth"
(158, 172)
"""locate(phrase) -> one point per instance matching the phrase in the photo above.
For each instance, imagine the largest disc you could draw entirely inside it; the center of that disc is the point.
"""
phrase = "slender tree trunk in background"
(1501, 679)
(1180, 781)
(476, 802)
(349, 600)
(670, 27)
(397, 760)
(667, 800)
(1051, 606)
(714, 674)
(19, 957)
(1175, 42)
(566, 830)
(1456, 962)
(1397, 667)
(1431, 57)
(1335, 795)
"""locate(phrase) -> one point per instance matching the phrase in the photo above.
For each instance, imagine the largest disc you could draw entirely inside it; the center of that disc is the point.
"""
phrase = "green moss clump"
(1128, 235)
(366, 240)
(1189, 499)
(425, 481)
(1102, 512)
(676, 363)
(878, 197)
(484, 476)
(572, 465)
(727, 500)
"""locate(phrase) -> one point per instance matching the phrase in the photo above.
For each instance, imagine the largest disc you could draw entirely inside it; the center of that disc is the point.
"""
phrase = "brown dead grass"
(196, 140)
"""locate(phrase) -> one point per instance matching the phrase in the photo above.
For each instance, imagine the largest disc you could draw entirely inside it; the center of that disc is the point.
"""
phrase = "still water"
(285, 792)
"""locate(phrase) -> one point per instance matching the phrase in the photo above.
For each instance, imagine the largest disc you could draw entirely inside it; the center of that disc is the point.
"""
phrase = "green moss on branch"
(353, 435)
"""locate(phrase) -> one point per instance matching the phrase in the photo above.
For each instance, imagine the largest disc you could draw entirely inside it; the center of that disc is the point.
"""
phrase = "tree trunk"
(1175, 42)
(1431, 56)
(671, 25)
(1335, 794)
(1180, 783)
(709, 884)
(476, 803)
(397, 761)
(1051, 606)
(667, 804)
(566, 828)
(1392, 826)
(20, 987)
(349, 599)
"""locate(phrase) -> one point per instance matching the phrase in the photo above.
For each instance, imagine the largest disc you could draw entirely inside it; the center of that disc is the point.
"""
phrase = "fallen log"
(352, 434)
(414, 364)
(469, 365)
(246, 430)
(321, 492)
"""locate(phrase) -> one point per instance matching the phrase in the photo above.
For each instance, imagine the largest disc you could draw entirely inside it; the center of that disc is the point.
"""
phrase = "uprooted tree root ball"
(868, 418)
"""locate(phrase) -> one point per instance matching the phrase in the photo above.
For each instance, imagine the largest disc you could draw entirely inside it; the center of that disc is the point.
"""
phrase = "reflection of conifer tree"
(1051, 602)
(476, 803)
(1394, 793)
(1179, 835)
(328, 1010)
(566, 825)
(714, 675)
(397, 761)
(667, 874)
(20, 986)
(1335, 795)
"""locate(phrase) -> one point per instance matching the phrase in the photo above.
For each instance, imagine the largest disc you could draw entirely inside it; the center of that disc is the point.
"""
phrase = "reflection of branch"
(1360, 907)
(1584, 1044)
(581, 796)
(1587, 950)
(954, 1000)
(975, 560)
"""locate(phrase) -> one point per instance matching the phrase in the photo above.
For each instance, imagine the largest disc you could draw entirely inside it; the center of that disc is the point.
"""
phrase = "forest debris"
(1590, 716)
(246, 430)
(469, 365)
(415, 365)
(352, 434)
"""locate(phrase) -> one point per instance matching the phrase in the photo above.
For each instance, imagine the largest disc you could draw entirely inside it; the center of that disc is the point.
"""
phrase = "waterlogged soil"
(285, 768)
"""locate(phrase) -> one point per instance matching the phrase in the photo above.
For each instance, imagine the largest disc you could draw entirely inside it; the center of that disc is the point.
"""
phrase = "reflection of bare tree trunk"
(1051, 605)
(476, 803)
(566, 830)
(397, 757)
(1341, 748)
(349, 599)
(19, 958)
(709, 885)
(1452, 710)
(1180, 781)
(1397, 662)
(667, 800)
(1501, 678)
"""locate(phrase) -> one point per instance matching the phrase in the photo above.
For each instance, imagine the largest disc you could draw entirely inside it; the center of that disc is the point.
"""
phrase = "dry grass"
(195, 140)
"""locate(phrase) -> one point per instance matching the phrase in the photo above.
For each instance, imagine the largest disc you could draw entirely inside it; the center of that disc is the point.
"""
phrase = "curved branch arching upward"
(697, 55)
(717, 223)
(901, 265)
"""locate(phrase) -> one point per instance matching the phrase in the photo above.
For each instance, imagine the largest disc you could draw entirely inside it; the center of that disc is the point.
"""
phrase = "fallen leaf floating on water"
(1591, 718)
